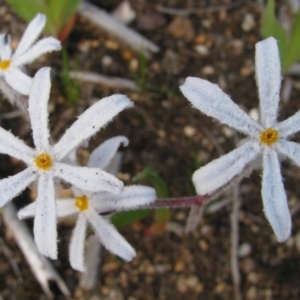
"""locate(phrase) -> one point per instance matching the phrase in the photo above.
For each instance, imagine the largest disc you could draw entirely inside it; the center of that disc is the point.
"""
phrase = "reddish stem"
(177, 202)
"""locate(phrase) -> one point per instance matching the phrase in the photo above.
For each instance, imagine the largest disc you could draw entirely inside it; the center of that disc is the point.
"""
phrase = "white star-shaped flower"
(25, 53)
(89, 205)
(46, 162)
(266, 139)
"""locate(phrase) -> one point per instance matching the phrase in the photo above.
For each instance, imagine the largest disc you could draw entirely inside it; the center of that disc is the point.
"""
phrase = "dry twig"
(104, 20)
(236, 278)
(40, 266)
(191, 11)
(115, 82)
(93, 259)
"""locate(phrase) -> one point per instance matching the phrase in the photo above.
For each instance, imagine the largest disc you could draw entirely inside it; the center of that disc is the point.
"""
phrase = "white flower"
(25, 53)
(89, 205)
(267, 139)
(46, 162)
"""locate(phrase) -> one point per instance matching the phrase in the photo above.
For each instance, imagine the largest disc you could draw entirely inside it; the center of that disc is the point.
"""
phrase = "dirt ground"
(167, 134)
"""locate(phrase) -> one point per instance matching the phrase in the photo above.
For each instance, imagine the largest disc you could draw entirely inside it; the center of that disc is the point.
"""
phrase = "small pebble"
(181, 28)
(179, 266)
(111, 45)
(189, 131)
(208, 70)
(202, 50)
(228, 132)
(248, 22)
(244, 250)
(106, 61)
(124, 12)
(206, 23)
(252, 293)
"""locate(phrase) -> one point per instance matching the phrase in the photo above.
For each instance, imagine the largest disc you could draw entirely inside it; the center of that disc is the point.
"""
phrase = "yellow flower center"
(82, 203)
(4, 64)
(43, 161)
(269, 136)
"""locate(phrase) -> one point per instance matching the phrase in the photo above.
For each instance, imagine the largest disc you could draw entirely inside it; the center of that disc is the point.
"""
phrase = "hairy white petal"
(11, 145)
(103, 154)
(27, 212)
(89, 179)
(274, 197)
(12, 186)
(212, 101)
(31, 33)
(45, 233)
(65, 207)
(38, 109)
(77, 244)
(5, 48)
(109, 236)
(90, 122)
(268, 77)
(18, 80)
(289, 126)
(220, 171)
(43, 46)
(290, 150)
(131, 198)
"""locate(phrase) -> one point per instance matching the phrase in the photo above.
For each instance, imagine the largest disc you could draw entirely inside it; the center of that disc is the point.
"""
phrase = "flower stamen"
(269, 136)
(43, 161)
(4, 64)
(82, 203)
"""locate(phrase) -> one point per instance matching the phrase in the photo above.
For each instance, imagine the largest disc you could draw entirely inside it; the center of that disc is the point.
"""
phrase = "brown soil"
(166, 133)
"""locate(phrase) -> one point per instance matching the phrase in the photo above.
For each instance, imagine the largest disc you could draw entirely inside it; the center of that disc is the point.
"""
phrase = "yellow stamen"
(82, 203)
(269, 136)
(43, 161)
(4, 64)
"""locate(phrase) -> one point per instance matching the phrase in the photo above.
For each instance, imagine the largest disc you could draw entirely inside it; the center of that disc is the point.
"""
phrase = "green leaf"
(271, 27)
(58, 12)
(152, 175)
(27, 9)
(162, 215)
(127, 217)
(293, 48)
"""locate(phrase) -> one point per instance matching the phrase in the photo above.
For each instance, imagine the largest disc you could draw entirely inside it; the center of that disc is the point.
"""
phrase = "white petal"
(11, 145)
(268, 77)
(31, 33)
(109, 236)
(77, 244)
(27, 212)
(45, 233)
(132, 197)
(38, 109)
(274, 197)
(90, 122)
(89, 179)
(65, 207)
(290, 150)
(43, 46)
(12, 186)
(289, 126)
(103, 155)
(18, 80)
(220, 171)
(212, 101)
(5, 48)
